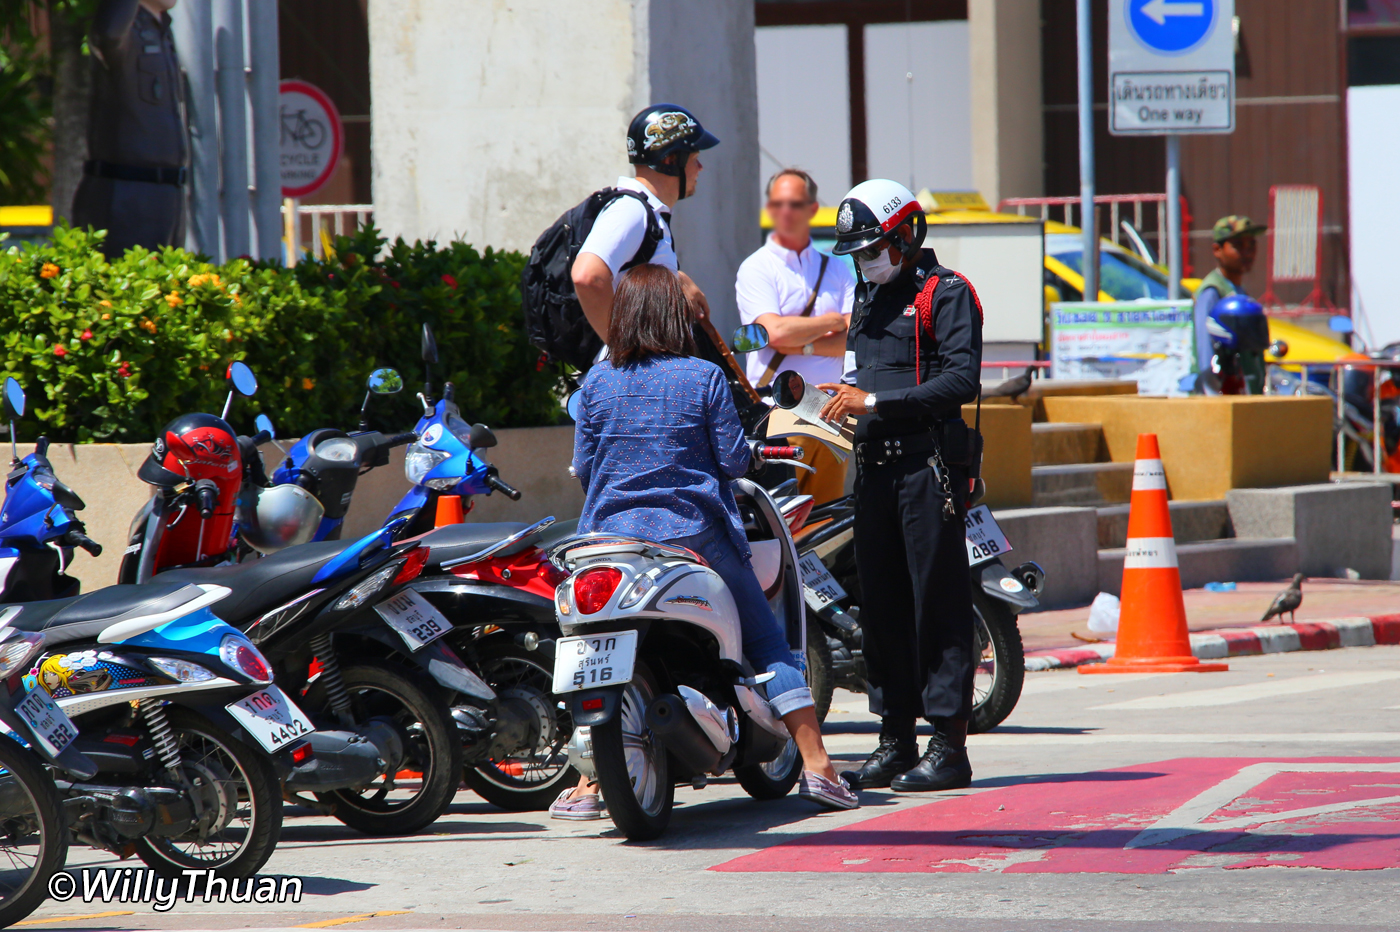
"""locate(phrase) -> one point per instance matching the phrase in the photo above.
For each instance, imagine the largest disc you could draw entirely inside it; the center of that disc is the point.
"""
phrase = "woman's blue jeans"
(765, 644)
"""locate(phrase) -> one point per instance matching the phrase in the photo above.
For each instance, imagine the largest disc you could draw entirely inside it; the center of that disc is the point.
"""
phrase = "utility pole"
(1089, 263)
(1173, 216)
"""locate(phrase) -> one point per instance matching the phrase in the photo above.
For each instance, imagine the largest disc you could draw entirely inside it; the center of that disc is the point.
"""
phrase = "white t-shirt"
(776, 280)
(619, 229)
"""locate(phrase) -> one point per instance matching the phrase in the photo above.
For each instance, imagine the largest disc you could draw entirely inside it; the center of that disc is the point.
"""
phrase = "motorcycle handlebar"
(780, 453)
(208, 496)
(503, 487)
(76, 538)
(398, 440)
(261, 437)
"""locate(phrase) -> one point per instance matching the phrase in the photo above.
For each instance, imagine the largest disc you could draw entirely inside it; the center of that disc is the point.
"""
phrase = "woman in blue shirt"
(657, 442)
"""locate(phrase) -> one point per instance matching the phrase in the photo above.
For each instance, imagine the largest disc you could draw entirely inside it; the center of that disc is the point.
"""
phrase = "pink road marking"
(1106, 822)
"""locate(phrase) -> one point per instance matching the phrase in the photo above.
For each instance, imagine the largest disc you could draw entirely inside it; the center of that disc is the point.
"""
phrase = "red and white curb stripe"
(1235, 642)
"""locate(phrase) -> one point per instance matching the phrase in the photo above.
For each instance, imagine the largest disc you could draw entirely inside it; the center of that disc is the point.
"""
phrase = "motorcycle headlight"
(337, 450)
(362, 592)
(421, 460)
(443, 485)
(182, 670)
(239, 653)
(18, 650)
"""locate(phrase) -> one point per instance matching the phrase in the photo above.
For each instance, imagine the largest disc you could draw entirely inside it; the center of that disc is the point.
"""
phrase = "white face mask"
(880, 270)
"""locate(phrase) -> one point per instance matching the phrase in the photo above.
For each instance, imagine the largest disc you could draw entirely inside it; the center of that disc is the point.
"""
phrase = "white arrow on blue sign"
(1171, 27)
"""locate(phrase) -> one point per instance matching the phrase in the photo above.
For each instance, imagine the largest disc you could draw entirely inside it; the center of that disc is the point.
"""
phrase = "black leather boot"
(944, 765)
(897, 752)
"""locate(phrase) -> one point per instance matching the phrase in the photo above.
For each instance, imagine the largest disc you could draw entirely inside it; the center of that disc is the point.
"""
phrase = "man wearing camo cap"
(1234, 248)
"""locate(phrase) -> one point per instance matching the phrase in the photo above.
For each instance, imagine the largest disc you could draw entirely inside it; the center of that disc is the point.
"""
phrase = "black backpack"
(554, 318)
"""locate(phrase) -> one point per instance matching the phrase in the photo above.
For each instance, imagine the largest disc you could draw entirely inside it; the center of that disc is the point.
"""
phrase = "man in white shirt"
(662, 142)
(803, 298)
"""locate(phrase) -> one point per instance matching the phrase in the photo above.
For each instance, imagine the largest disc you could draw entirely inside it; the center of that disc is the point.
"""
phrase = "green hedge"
(112, 351)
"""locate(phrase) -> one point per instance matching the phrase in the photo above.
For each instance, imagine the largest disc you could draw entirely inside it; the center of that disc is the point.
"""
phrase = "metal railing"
(1116, 204)
(309, 227)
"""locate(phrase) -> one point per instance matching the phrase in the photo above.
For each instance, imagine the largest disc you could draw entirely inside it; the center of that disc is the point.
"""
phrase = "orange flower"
(49, 270)
(149, 326)
(104, 303)
(308, 384)
(106, 316)
(174, 300)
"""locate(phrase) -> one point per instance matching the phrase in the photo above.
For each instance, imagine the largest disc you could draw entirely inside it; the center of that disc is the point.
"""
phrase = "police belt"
(173, 176)
(889, 449)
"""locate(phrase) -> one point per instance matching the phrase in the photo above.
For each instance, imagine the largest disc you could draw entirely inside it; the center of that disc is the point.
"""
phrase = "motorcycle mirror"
(385, 382)
(429, 345)
(482, 437)
(241, 379)
(750, 338)
(1340, 323)
(574, 404)
(789, 387)
(1279, 348)
(14, 399)
(264, 423)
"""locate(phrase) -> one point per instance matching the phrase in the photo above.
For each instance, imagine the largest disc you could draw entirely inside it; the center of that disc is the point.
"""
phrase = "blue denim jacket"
(655, 446)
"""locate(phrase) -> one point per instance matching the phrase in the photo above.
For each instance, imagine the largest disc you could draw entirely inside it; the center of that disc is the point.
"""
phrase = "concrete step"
(1191, 521)
(1248, 559)
(1063, 444)
(1081, 484)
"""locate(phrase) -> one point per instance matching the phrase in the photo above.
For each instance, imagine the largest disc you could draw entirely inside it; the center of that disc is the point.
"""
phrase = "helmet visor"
(865, 244)
(1251, 331)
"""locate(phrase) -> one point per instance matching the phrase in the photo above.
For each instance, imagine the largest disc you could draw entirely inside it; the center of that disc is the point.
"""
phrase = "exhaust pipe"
(342, 760)
(671, 721)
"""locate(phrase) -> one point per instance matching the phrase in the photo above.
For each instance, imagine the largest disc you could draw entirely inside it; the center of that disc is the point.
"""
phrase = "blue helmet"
(1237, 325)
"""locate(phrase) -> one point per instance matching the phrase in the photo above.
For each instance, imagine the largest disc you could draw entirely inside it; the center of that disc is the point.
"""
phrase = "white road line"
(1265, 689)
(1063, 681)
(844, 744)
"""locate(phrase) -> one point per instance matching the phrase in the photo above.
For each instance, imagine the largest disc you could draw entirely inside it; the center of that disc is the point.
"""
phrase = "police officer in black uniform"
(134, 179)
(913, 358)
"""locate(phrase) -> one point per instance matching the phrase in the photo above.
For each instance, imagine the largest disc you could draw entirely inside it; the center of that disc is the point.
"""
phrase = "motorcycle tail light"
(640, 588)
(301, 753)
(798, 516)
(18, 650)
(181, 671)
(594, 587)
(362, 592)
(413, 566)
(240, 654)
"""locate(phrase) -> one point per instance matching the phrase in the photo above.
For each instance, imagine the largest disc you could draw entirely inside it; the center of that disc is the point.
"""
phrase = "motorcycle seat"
(258, 586)
(454, 541)
(86, 616)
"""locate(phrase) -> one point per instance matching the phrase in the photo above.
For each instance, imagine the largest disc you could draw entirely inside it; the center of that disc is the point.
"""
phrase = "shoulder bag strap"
(778, 357)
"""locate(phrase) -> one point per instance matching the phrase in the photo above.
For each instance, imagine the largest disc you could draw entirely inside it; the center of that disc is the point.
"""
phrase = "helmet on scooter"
(192, 447)
(1237, 325)
(869, 215)
(279, 517)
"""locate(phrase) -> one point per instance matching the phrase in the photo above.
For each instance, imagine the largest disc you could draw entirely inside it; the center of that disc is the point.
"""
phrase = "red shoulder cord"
(923, 316)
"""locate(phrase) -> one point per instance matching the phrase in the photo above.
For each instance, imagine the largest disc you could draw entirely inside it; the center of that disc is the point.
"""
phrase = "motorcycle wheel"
(433, 749)
(774, 779)
(530, 777)
(821, 678)
(1001, 664)
(237, 784)
(33, 838)
(633, 766)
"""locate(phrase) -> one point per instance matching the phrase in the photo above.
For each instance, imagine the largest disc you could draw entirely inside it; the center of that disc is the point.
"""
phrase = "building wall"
(491, 120)
(1007, 133)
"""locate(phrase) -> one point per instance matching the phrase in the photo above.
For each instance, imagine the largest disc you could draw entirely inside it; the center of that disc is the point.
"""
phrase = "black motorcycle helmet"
(870, 213)
(661, 131)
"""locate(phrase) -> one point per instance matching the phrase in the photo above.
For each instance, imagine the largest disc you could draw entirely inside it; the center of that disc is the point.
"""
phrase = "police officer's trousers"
(916, 592)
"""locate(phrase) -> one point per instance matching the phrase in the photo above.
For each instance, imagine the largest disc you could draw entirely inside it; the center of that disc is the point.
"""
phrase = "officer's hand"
(699, 306)
(848, 401)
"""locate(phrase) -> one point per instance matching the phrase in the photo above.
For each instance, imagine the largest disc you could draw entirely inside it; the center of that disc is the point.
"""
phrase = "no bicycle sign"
(1171, 66)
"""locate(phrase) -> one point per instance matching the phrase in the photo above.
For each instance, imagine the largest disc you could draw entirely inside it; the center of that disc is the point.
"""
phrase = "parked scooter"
(653, 669)
(831, 588)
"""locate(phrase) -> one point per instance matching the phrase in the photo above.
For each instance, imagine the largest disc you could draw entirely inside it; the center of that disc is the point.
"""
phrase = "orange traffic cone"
(449, 511)
(1152, 634)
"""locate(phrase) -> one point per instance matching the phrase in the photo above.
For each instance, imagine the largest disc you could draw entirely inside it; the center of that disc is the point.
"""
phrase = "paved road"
(1268, 795)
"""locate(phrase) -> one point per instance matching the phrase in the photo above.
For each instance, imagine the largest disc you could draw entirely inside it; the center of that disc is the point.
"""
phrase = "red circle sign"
(311, 137)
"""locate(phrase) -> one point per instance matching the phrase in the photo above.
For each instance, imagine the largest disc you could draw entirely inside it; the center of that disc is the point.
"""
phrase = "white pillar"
(233, 124)
(265, 60)
(194, 44)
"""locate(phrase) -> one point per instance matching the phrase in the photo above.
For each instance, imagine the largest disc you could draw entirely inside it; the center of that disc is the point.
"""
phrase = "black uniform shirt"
(138, 95)
(881, 337)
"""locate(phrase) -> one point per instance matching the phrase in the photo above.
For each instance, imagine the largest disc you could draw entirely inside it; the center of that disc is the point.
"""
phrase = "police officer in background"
(913, 358)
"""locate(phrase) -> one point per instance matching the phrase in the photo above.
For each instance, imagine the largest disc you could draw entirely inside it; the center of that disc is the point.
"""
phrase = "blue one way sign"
(1171, 26)
(1171, 66)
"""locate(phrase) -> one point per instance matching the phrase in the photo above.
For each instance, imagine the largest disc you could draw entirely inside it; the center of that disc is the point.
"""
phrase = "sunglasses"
(788, 205)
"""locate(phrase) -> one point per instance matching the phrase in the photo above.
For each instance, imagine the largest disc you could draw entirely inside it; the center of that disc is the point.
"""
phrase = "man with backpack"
(568, 283)
(913, 359)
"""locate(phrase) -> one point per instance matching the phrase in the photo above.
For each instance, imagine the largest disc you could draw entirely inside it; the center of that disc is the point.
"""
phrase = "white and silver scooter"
(652, 665)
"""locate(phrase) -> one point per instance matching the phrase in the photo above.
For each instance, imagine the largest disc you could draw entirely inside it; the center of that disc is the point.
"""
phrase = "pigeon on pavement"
(1287, 601)
(1012, 388)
